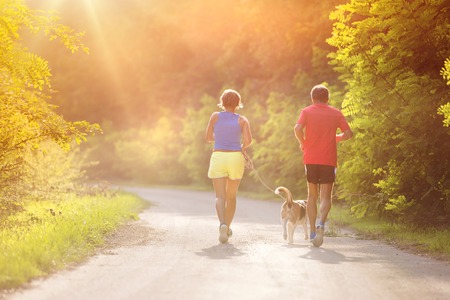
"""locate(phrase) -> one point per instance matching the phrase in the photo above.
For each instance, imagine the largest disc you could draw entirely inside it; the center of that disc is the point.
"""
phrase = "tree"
(195, 154)
(26, 118)
(277, 157)
(389, 54)
(445, 108)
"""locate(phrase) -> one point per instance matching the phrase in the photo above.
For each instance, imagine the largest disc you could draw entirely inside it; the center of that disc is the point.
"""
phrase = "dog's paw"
(285, 236)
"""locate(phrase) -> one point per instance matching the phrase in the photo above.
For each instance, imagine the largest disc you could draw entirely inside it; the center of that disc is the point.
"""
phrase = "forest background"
(156, 69)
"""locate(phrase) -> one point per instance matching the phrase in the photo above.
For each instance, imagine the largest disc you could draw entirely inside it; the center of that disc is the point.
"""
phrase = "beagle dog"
(293, 213)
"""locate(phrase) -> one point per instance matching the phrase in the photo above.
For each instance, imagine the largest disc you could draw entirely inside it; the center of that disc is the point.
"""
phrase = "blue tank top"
(227, 132)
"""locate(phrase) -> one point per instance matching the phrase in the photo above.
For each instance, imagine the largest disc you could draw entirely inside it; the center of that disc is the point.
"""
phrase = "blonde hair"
(230, 98)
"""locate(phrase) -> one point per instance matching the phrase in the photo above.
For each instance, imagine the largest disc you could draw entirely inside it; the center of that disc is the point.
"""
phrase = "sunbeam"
(94, 11)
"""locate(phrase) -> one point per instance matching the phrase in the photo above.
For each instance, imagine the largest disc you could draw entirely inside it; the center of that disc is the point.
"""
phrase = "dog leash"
(249, 165)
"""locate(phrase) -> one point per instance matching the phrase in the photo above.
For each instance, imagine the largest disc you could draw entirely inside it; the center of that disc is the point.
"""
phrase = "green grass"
(49, 235)
(428, 241)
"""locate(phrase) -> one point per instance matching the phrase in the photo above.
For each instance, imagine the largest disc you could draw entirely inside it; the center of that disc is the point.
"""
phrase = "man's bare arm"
(300, 135)
(346, 135)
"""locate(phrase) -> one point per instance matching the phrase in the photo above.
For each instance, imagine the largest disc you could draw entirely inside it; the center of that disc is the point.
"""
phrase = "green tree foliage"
(142, 55)
(147, 155)
(181, 50)
(445, 109)
(390, 53)
(195, 153)
(51, 171)
(26, 118)
(277, 156)
(276, 44)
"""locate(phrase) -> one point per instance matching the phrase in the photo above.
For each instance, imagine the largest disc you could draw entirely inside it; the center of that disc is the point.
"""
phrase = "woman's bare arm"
(209, 135)
(246, 133)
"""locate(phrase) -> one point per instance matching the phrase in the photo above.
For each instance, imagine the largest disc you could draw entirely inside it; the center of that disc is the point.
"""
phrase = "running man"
(316, 131)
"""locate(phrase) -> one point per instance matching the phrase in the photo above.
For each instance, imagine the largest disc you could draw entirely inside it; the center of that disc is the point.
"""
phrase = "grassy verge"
(49, 235)
(432, 242)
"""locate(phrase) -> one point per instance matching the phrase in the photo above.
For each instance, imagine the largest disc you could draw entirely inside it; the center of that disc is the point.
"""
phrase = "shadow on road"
(221, 251)
(328, 256)
(295, 246)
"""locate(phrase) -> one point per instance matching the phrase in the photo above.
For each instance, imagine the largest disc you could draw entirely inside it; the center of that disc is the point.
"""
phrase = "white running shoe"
(318, 240)
(223, 231)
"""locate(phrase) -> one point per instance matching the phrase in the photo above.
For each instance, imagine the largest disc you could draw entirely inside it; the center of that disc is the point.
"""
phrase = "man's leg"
(325, 201)
(325, 206)
(311, 206)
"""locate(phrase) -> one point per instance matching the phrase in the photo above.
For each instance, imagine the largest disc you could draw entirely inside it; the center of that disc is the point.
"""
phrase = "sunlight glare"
(104, 46)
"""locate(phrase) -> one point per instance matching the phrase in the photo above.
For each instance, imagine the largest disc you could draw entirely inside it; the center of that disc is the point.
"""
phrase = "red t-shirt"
(321, 122)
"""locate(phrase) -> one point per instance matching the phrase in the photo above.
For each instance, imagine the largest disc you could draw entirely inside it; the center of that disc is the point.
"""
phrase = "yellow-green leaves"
(444, 110)
(391, 54)
(26, 119)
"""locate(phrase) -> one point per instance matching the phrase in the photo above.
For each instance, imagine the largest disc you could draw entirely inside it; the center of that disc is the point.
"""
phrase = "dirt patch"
(128, 235)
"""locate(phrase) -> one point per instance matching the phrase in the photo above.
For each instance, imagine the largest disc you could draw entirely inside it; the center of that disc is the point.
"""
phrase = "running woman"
(231, 135)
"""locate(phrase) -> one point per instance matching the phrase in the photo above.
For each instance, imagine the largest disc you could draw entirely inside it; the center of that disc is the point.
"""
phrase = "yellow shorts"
(226, 164)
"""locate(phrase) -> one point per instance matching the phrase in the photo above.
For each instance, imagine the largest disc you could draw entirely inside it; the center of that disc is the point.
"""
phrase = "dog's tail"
(288, 193)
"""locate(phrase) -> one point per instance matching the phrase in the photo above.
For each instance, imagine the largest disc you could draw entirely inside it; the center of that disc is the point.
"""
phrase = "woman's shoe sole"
(223, 230)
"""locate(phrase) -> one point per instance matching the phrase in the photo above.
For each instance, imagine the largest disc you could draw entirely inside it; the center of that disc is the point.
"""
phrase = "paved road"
(173, 253)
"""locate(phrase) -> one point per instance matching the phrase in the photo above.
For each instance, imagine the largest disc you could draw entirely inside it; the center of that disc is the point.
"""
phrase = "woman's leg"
(230, 198)
(220, 188)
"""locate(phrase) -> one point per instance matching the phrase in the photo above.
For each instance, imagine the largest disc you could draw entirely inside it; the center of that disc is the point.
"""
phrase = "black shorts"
(320, 173)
